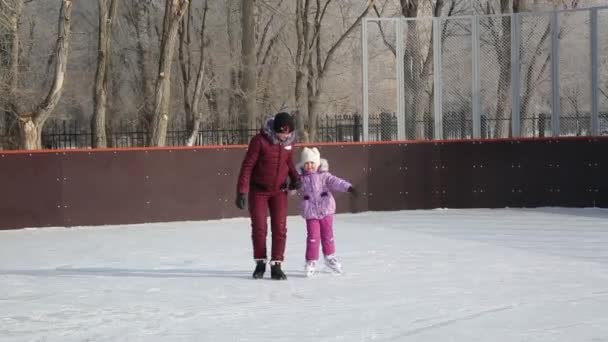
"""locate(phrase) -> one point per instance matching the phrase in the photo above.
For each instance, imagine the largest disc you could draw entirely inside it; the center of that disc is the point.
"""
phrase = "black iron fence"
(330, 128)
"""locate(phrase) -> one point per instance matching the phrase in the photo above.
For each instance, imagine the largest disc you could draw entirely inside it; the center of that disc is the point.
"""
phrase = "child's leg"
(312, 239)
(258, 211)
(278, 224)
(327, 235)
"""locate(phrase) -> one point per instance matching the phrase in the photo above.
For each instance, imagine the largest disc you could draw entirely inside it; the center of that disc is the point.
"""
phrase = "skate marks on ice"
(449, 321)
(124, 272)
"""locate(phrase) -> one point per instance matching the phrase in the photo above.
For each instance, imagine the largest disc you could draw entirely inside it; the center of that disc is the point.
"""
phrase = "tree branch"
(332, 50)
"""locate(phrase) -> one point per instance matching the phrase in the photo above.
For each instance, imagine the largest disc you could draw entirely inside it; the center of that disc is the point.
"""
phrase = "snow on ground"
(429, 275)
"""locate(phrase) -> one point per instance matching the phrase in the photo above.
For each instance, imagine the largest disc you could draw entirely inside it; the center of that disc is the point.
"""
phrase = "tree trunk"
(302, 57)
(142, 31)
(31, 134)
(174, 12)
(211, 94)
(107, 11)
(194, 118)
(317, 65)
(31, 123)
(14, 51)
(248, 65)
(234, 93)
(504, 80)
(185, 60)
(9, 100)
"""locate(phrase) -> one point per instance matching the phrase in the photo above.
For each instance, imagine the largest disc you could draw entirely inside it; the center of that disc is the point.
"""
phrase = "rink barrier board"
(126, 186)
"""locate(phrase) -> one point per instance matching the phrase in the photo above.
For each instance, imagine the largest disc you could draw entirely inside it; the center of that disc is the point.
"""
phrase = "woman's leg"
(258, 211)
(278, 224)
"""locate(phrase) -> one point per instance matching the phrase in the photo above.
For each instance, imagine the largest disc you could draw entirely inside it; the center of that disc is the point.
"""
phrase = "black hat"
(283, 123)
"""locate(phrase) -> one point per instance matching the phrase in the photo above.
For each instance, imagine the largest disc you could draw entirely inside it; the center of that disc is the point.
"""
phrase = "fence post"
(437, 79)
(595, 70)
(339, 130)
(356, 127)
(515, 76)
(364, 58)
(400, 81)
(555, 100)
(476, 91)
(542, 122)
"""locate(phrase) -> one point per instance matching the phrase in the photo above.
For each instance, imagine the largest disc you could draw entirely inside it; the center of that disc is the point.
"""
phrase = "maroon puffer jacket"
(267, 163)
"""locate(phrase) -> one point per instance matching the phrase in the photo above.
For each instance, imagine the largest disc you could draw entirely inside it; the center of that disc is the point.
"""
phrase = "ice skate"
(276, 272)
(260, 268)
(310, 268)
(333, 264)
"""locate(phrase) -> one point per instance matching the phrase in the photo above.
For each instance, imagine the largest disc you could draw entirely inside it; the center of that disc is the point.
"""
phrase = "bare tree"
(419, 53)
(139, 18)
(174, 12)
(31, 123)
(266, 56)
(107, 13)
(301, 61)
(249, 67)
(501, 41)
(10, 16)
(234, 92)
(192, 101)
(319, 63)
(211, 94)
(312, 59)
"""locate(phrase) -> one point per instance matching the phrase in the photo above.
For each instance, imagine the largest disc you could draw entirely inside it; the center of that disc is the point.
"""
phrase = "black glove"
(353, 191)
(296, 185)
(241, 200)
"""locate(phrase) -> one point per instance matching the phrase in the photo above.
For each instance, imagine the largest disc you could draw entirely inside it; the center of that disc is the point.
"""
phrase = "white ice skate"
(333, 264)
(310, 268)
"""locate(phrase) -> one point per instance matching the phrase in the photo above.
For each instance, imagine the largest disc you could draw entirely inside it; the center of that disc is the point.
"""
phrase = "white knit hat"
(310, 155)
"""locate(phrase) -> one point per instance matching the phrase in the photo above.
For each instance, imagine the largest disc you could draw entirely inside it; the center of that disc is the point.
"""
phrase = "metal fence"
(331, 128)
(488, 76)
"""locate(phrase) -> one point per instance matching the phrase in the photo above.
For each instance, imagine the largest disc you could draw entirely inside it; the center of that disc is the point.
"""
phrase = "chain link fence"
(535, 70)
(418, 72)
(603, 69)
(495, 76)
(575, 92)
(533, 74)
(382, 70)
(456, 70)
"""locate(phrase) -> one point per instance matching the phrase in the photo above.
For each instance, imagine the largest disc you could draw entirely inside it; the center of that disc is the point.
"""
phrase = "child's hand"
(353, 191)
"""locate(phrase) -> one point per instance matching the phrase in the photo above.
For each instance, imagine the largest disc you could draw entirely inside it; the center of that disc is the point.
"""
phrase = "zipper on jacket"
(276, 175)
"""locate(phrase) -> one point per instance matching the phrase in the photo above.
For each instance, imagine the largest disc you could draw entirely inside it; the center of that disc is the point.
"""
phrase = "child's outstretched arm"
(337, 184)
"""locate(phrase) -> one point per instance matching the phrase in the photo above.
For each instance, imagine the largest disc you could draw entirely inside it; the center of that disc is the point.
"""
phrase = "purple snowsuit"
(318, 206)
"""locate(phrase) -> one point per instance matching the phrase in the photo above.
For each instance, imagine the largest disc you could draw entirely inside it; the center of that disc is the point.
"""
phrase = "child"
(263, 181)
(318, 207)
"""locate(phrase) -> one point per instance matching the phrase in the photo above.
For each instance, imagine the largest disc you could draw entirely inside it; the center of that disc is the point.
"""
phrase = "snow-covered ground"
(432, 275)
